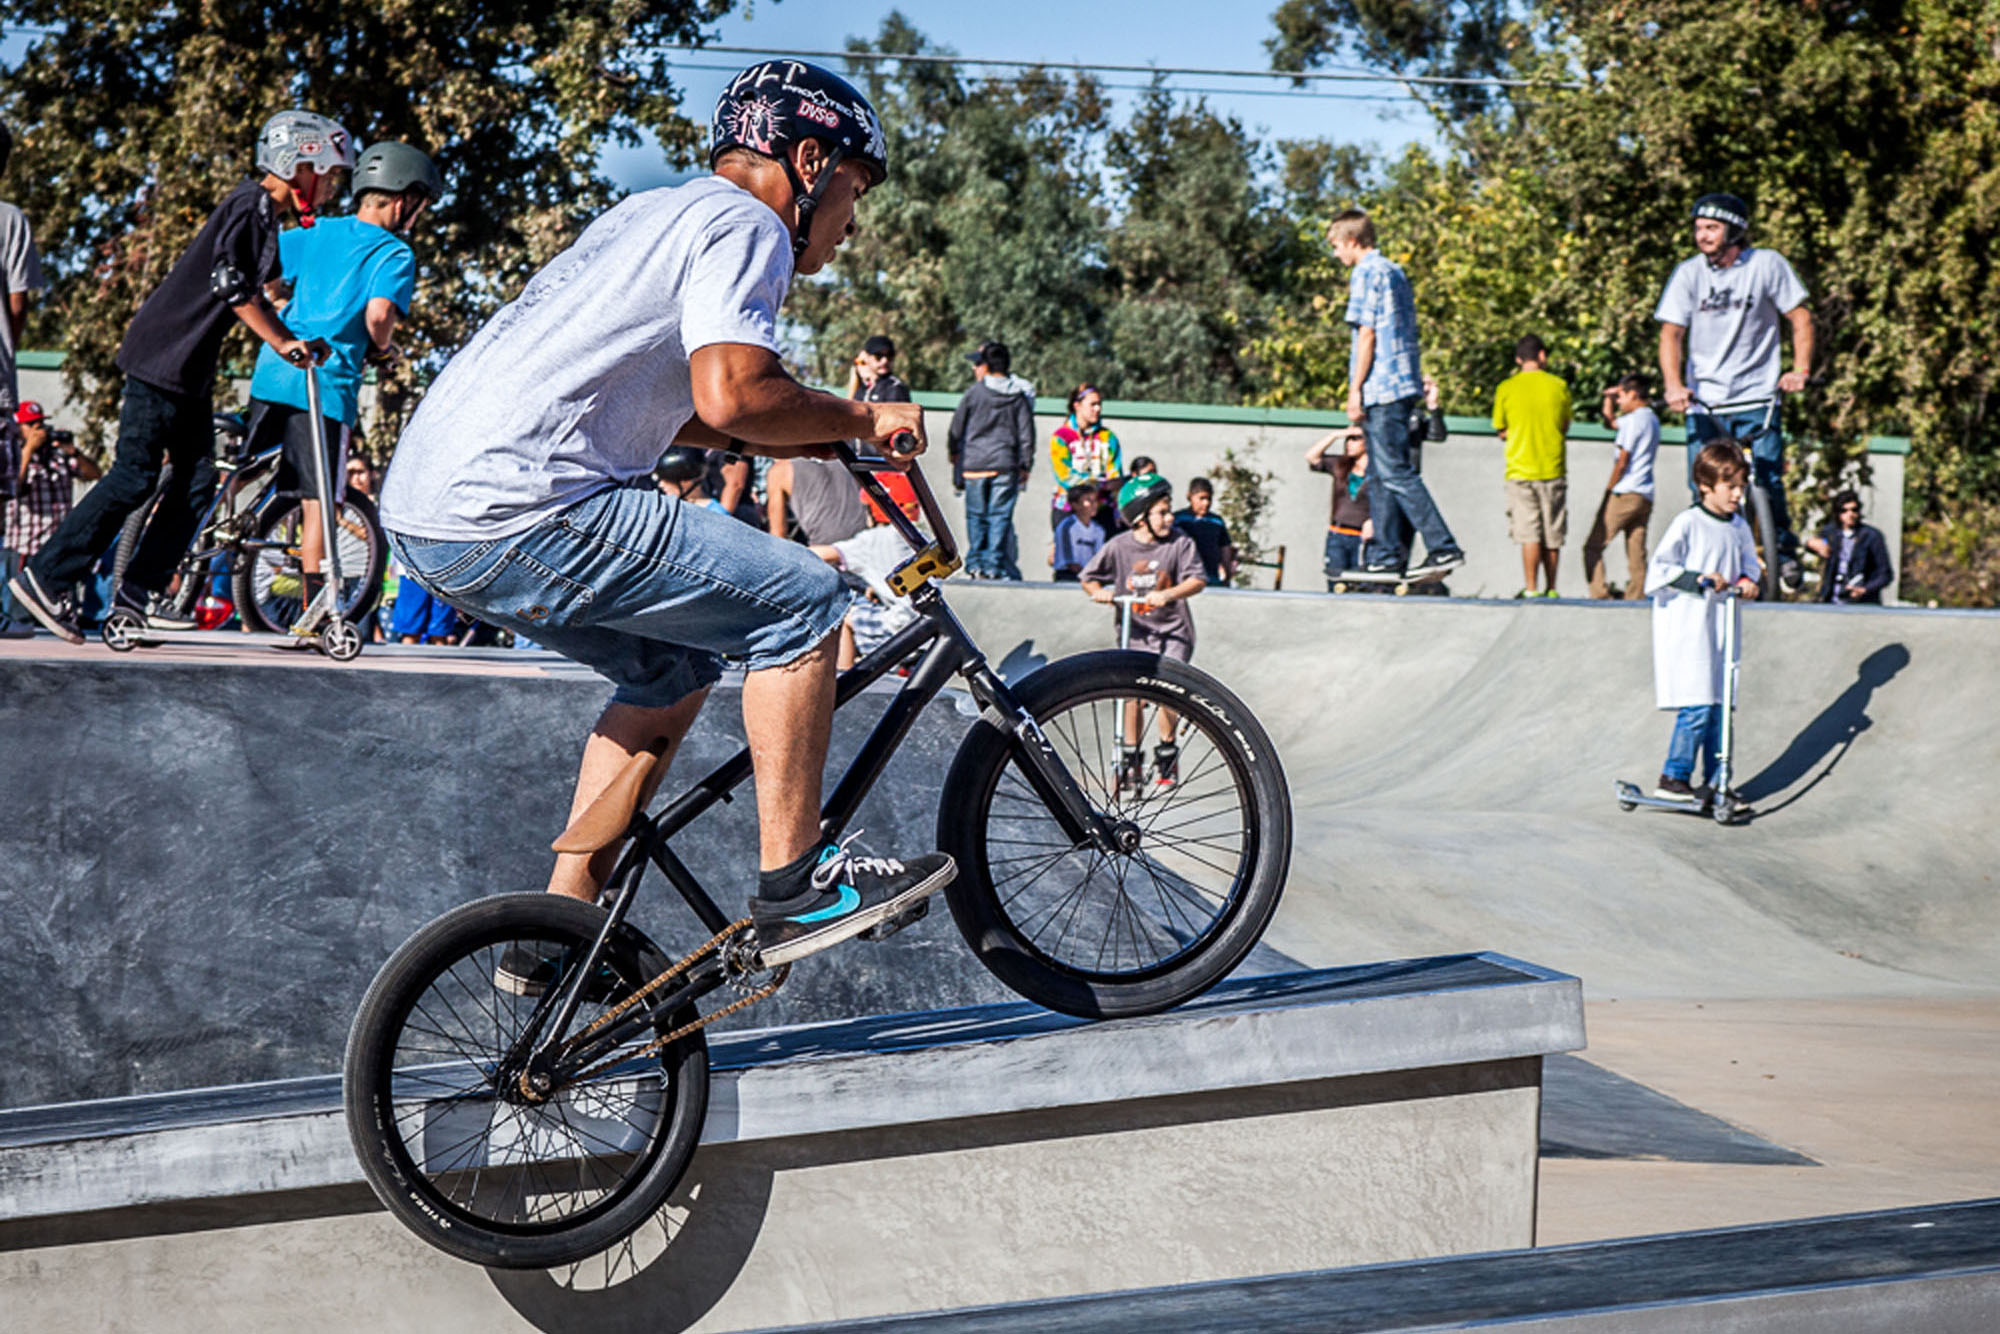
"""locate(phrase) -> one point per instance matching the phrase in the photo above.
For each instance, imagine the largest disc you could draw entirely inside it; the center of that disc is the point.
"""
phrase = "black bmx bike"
(534, 1130)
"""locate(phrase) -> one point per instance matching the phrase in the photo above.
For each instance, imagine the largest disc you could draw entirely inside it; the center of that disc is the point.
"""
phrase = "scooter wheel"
(340, 640)
(121, 631)
(1724, 812)
(1628, 806)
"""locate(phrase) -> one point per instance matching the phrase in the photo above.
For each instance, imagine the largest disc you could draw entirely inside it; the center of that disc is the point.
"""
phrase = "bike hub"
(1127, 836)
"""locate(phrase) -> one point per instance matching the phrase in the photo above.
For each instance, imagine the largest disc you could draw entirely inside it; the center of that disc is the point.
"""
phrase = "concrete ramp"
(1452, 763)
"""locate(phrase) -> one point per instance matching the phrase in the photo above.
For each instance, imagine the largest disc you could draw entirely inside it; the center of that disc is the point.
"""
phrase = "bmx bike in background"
(527, 1131)
(1757, 508)
(253, 531)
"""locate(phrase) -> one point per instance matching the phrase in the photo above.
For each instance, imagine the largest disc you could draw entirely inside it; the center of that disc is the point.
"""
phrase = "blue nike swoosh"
(850, 899)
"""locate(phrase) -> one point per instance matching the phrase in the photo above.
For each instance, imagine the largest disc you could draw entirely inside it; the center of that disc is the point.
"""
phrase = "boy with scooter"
(1706, 561)
(1158, 567)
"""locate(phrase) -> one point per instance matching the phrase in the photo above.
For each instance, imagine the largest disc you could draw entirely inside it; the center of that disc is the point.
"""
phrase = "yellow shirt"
(1533, 407)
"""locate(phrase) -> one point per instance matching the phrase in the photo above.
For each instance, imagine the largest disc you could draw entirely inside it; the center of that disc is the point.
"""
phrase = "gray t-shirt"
(1639, 437)
(827, 500)
(1733, 318)
(582, 382)
(21, 266)
(1134, 568)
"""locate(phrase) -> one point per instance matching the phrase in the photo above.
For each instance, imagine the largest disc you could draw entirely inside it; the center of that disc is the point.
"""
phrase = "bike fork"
(1046, 773)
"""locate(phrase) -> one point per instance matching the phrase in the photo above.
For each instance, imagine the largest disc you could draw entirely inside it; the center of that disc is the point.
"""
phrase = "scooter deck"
(343, 645)
(1632, 796)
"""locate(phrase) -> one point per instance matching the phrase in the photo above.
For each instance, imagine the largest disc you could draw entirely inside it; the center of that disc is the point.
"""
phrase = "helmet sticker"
(753, 123)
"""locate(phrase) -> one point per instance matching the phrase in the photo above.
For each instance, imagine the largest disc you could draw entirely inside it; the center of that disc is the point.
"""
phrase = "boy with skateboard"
(1706, 551)
(1158, 566)
(169, 358)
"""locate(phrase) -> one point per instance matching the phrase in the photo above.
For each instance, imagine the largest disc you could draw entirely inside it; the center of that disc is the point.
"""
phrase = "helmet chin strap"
(807, 201)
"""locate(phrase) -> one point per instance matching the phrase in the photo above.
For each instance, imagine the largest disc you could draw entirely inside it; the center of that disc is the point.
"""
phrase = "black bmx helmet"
(778, 103)
(1728, 209)
(681, 464)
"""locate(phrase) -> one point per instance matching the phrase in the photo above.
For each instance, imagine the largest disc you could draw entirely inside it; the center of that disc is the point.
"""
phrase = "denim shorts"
(648, 592)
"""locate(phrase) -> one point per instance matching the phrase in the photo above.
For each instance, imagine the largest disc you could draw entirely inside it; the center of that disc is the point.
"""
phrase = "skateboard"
(1401, 583)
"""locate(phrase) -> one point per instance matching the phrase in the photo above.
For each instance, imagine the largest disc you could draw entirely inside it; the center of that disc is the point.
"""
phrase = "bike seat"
(606, 819)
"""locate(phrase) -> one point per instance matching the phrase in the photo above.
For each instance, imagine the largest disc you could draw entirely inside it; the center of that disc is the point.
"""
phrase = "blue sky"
(1123, 32)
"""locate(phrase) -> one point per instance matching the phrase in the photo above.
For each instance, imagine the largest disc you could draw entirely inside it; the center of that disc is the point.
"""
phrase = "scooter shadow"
(1831, 734)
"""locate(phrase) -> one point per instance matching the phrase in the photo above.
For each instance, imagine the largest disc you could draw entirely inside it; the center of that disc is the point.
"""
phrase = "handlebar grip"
(904, 443)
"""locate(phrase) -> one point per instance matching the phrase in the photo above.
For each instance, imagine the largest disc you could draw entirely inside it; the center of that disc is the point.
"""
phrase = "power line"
(1142, 87)
(1314, 75)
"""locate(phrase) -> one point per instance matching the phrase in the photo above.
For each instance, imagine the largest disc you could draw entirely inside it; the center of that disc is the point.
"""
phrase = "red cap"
(900, 491)
(29, 412)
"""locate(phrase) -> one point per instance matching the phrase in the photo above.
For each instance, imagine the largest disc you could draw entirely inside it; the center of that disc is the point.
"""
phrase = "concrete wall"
(1298, 1176)
(1464, 473)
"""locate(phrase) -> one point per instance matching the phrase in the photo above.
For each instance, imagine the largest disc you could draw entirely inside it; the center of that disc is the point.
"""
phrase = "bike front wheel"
(1764, 529)
(436, 1110)
(1203, 795)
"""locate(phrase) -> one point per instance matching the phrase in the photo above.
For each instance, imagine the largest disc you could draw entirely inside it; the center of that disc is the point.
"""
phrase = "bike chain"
(714, 945)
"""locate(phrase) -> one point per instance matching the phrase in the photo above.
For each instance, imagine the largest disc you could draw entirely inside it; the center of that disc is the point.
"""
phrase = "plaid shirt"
(1379, 298)
(39, 500)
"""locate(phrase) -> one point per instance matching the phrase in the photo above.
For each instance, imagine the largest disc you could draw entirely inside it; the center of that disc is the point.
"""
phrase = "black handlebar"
(864, 468)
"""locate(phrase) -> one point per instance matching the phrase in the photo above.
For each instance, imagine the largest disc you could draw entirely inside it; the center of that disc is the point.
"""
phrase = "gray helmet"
(292, 137)
(394, 168)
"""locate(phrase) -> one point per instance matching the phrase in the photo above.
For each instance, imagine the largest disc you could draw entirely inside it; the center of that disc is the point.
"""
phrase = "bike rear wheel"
(444, 1134)
(1765, 530)
(267, 585)
(1100, 935)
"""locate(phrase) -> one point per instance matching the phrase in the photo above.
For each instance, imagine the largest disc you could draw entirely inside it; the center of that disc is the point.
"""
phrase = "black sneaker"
(151, 608)
(1166, 764)
(849, 893)
(1433, 561)
(13, 629)
(1791, 574)
(27, 590)
(530, 969)
(1675, 789)
(1382, 567)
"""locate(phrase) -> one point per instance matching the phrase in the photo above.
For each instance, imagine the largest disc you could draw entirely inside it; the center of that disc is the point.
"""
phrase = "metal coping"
(1801, 1258)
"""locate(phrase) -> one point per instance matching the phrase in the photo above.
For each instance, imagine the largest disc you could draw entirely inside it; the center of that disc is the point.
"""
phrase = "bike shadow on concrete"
(1827, 738)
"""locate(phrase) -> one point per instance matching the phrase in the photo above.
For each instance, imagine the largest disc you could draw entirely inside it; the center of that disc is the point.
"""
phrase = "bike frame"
(947, 650)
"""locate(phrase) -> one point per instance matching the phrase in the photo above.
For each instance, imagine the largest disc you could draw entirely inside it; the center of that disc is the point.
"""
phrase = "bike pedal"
(889, 926)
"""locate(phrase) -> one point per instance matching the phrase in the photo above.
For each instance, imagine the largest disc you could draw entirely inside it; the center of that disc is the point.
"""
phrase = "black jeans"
(154, 426)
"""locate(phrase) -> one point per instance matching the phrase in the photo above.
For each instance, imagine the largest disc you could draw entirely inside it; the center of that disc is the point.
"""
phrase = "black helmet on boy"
(773, 105)
(393, 168)
(1139, 493)
(681, 464)
(1728, 209)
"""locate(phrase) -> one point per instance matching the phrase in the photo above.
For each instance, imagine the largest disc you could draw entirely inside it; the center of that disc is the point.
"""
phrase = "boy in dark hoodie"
(992, 445)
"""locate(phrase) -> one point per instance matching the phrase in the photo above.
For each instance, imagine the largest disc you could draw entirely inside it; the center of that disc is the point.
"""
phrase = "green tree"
(989, 226)
(132, 121)
(1865, 136)
(1197, 257)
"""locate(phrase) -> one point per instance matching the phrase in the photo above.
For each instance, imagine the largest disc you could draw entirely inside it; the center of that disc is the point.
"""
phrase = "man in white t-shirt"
(1720, 355)
(1628, 496)
(510, 496)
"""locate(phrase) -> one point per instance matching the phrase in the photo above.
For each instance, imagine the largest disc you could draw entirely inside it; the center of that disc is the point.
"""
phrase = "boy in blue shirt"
(1079, 535)
(351, 280)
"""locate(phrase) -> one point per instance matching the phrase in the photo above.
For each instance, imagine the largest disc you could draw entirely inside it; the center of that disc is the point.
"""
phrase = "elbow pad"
(230, 285)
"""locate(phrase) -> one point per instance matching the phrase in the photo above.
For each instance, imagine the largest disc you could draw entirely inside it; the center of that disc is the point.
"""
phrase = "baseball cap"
(879, 346)
(986, 352)
(29, 412)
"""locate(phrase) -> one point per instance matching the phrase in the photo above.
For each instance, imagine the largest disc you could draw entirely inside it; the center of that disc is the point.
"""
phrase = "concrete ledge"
(872, 1073)
(1935, 1268)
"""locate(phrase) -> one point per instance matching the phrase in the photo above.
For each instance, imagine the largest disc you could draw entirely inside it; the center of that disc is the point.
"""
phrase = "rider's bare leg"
(788, 716)
(621, 732)
(311, 544)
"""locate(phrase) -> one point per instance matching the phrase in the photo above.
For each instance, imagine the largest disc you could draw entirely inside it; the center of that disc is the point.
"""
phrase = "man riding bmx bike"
(511, 494)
